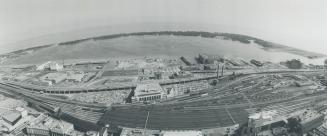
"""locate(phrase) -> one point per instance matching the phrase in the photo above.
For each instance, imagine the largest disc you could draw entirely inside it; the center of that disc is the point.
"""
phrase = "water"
(136, 46)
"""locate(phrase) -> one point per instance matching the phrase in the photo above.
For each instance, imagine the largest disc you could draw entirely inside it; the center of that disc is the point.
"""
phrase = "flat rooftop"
(148, 89)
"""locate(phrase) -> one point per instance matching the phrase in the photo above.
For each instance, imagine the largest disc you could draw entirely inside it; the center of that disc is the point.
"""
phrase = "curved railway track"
(175, 114)
(84, 116)
(86, 89)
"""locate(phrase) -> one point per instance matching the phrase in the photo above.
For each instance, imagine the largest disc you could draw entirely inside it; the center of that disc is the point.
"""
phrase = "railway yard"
(118, 94)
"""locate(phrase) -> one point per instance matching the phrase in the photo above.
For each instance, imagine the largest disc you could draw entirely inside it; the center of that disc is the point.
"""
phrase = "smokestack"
(217, 70)
(222, 70)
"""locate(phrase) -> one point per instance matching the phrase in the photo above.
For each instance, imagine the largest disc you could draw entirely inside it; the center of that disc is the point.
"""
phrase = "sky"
(296, 23)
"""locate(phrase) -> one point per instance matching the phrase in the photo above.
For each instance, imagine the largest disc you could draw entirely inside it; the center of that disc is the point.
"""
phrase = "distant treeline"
(74, 42)
(227, 36)
(27, 49)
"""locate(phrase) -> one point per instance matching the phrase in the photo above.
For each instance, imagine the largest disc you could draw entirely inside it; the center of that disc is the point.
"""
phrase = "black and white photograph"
(163, 68)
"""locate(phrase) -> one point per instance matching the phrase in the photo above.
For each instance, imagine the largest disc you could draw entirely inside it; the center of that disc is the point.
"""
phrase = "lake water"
(135, 46)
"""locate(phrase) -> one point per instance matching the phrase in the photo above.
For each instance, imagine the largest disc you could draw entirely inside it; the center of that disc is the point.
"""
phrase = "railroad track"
(85, 89)
(162, 115)
(87, 112)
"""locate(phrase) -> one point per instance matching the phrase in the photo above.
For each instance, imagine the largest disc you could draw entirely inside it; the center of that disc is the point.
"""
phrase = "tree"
(294, 64)
(214, 83)
(294, 126)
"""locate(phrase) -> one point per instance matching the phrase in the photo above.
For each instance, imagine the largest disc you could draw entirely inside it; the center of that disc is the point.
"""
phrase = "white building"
(43, 66)
(51, 66)
(56, 67)
(148, 92)
(22, 111)
(263, 118)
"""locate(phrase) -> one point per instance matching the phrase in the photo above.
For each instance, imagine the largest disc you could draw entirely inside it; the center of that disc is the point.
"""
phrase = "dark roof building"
(12, 118)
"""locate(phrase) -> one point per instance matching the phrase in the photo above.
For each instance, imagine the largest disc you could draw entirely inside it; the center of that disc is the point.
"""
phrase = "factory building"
(148, 92)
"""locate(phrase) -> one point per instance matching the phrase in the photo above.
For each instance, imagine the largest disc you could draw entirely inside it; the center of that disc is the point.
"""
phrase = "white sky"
(296, 23)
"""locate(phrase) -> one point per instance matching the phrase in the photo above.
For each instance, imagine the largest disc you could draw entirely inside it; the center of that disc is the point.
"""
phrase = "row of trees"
(294, 64)
(234, 37)
(297, 64)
